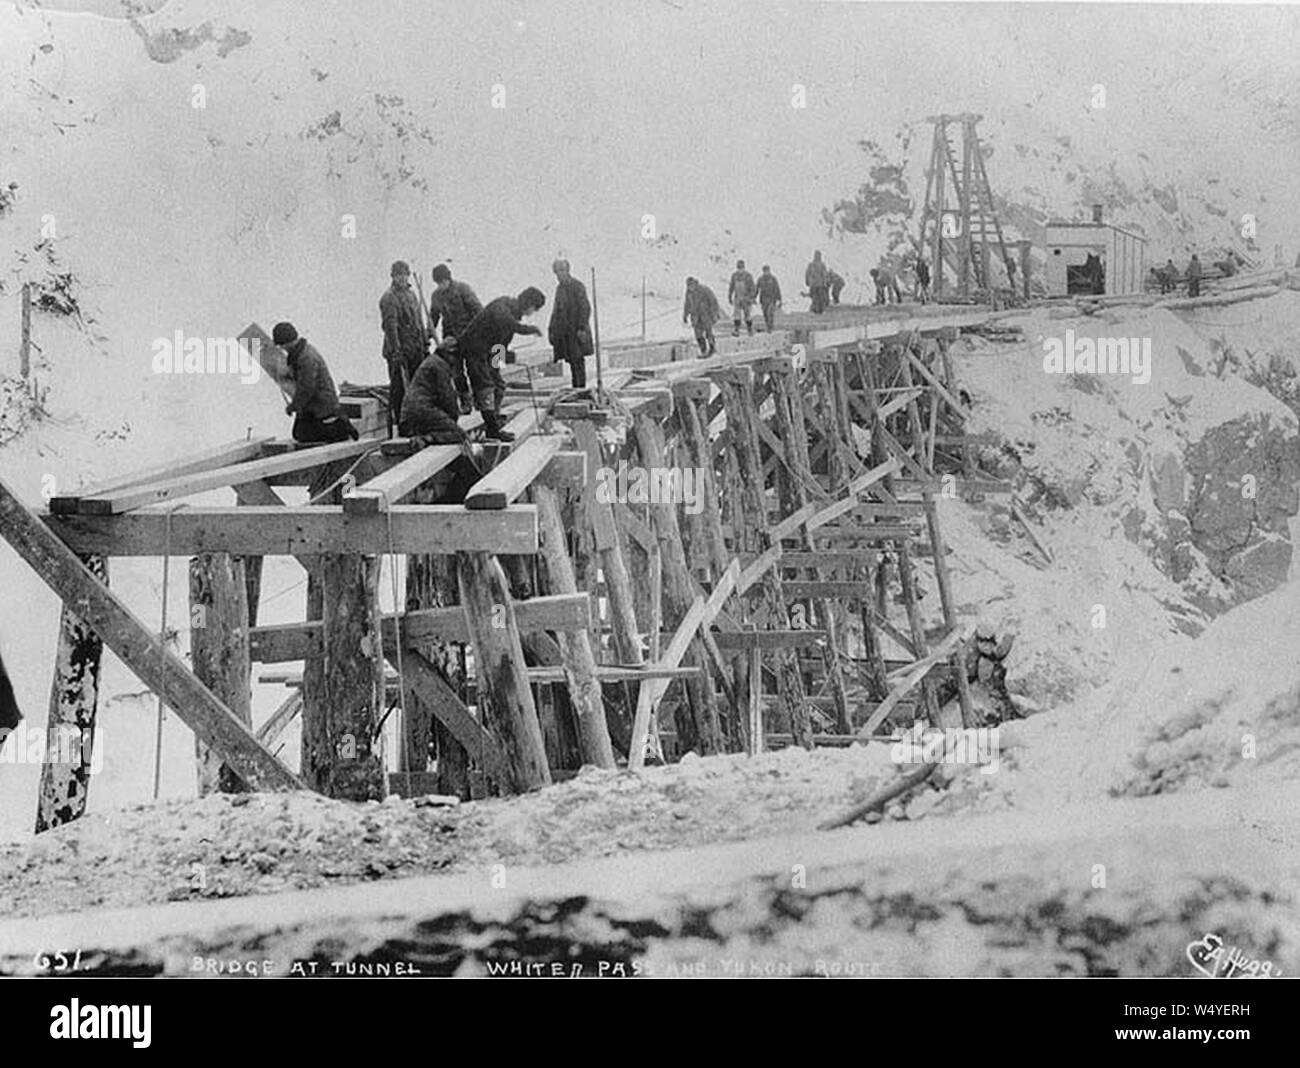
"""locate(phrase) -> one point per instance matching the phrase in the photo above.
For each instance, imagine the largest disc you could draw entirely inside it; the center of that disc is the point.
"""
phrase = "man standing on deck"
(769, 296)
(453, 304)
(740, 294)
(817, 278)
(318, 417)
(923, 280)
(1194, 276)
(405, 338)
(701, 309)
(484, 346)
(569, 331)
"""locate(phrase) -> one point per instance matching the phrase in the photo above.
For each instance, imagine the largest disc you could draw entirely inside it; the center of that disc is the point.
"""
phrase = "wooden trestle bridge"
(544, 625)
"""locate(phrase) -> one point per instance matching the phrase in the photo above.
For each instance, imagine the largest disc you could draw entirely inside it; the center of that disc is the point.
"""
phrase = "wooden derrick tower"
(960, 231)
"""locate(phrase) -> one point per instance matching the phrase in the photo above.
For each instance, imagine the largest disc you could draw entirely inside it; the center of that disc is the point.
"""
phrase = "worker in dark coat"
(817, 278)
(740, 294)
(702, 311)
(432, 408)
(10, 717)
(769, 296)
(836, 282)
(406, 341)
(923, 280)
(484, 346)
(453, 305)
(886, 285)
(569, 331)
(1194, 276)
(315, 405)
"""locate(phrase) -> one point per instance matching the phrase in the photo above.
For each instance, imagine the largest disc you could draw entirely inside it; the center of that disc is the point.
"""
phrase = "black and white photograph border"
(673, 488)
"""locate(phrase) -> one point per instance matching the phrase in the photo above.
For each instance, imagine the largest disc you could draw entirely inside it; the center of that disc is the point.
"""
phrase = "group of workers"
(443, 360)
(1168, 277)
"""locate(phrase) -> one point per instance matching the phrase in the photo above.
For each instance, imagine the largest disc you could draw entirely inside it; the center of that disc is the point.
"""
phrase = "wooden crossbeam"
(282, 642)
(383, 491)
(819, 559)
(156, 665)
(915, 674)
(957, 407)
(166, 489)
(290, 709)
(508, 480)
(423, 679)
(701, 614)
(827, 588)
(272, 531)
(233, 452)
(897, 404)
(766, 639)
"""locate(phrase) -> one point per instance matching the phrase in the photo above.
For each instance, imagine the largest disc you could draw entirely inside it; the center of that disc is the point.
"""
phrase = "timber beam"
(273, 531)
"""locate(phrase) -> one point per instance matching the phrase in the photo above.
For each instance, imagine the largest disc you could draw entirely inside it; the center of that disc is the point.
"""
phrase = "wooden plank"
(915, 674)
(233, 452)
(383, 491)
(156, 665)
(508, 480)
(167, 489)
(272, 531)
(281, 642)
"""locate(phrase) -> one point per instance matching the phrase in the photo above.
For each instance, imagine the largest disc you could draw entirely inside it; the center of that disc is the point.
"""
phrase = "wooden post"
(737, 391)
(575, 646)
(431, 582)
(680, 592)
(963, 686)
(876, 674)
(219, 652)
(343, 687)
(796, 477)
(25, 347)
(73, 700)
(500, 673)
(600, 517)
(931, 509)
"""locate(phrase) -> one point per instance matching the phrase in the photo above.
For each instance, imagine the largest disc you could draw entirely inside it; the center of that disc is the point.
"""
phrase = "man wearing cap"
(702, 311)
(569, 332)
(484, 346)
(405, 339)
(318, 419)
(740, 293)
(453, 304)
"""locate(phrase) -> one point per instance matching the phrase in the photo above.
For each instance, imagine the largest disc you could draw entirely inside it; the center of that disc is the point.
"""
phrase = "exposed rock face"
(1243, 493)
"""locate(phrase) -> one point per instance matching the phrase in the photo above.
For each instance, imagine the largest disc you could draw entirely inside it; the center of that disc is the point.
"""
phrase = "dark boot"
(749, 325)
(494, 428)
(735, 328)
